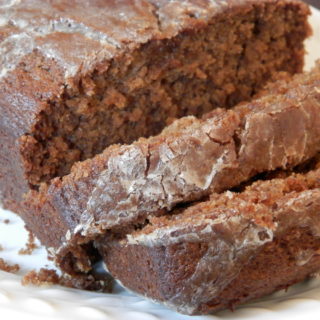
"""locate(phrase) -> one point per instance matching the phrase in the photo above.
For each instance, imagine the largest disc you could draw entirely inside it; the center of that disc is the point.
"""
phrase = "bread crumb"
(4, 266)
(6, 221)
(30, 245)
(1, 247)
(45, 277)
(40, 278)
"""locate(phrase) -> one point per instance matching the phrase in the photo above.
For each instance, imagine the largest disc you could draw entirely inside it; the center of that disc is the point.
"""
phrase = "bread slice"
(124, 186)
(219, 253)
(83, 75)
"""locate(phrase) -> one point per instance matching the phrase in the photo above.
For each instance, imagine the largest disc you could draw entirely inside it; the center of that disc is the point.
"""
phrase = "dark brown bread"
(125, 185)
(77, 76)
(230, 249)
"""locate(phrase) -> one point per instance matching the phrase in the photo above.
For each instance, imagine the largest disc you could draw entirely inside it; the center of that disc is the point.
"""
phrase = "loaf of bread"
(121, 188)
(78, 76)
(224, 251)
(97, 165)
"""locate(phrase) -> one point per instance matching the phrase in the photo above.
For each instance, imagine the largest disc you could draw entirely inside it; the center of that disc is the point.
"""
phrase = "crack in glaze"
(14, 47)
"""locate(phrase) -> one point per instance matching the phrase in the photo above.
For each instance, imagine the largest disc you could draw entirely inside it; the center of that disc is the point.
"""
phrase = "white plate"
(299, 302)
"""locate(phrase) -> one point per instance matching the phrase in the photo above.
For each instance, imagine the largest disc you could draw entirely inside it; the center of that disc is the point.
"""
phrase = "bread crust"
(223, 252)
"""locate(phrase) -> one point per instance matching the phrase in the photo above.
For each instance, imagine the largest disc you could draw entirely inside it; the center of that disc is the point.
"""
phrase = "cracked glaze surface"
(54, 30)
(80, 34)
(93, 31)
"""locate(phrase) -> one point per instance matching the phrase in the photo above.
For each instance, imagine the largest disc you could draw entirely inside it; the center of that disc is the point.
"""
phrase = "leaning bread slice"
(127, 184)
(227, 250)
